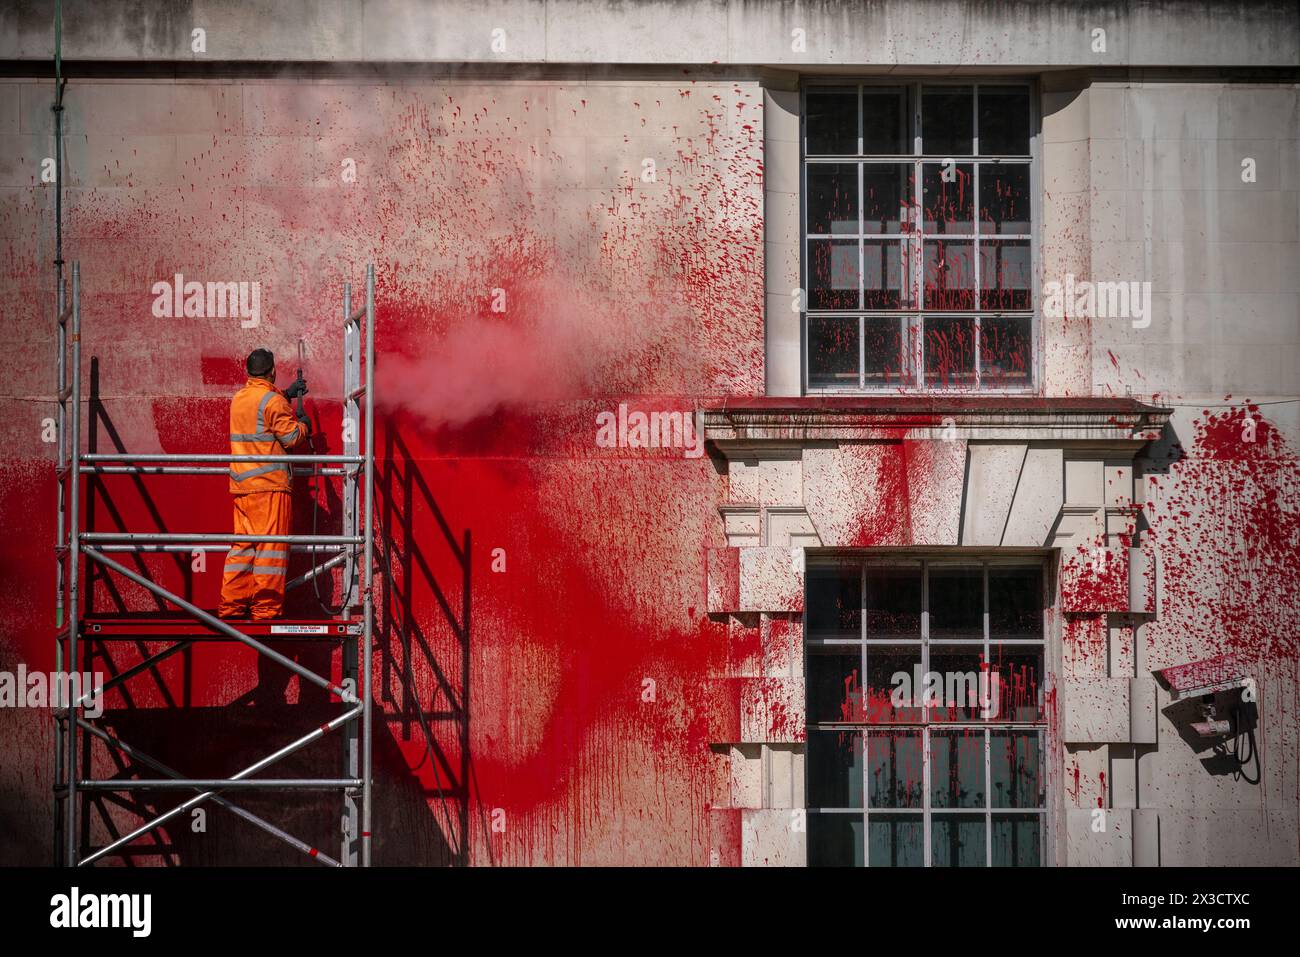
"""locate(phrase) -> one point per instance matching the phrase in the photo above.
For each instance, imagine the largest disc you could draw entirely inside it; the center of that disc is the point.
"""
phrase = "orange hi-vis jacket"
(262, 423)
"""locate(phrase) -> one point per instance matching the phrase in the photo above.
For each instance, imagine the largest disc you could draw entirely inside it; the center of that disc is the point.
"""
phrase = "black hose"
(1244, 752)
(318, 488)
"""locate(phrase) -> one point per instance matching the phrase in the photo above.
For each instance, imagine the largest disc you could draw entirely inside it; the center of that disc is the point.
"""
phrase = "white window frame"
(911, 243)
(925, 725)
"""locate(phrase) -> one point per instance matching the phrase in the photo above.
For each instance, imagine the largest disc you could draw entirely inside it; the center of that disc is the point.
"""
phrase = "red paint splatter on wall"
(529, 277)
(1226, 523)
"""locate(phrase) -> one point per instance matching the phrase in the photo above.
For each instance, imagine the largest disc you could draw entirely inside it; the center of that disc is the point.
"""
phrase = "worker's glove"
(306, 423)
(296, 388)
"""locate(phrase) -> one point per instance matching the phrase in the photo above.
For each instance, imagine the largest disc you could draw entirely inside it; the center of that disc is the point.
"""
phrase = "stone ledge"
(1123, 424)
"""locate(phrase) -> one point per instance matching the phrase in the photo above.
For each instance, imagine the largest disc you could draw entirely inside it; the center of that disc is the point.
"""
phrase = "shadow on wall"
(422, 761)
(430, 729)
(1157, 458)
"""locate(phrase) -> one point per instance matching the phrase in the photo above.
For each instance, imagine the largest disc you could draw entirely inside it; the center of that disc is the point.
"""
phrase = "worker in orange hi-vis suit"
(262, 422)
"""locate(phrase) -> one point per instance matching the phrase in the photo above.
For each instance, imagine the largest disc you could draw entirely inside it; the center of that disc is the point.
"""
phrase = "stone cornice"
(841, 36)
(1124, 424)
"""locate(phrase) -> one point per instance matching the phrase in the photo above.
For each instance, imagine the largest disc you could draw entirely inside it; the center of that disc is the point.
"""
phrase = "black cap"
(260, 362)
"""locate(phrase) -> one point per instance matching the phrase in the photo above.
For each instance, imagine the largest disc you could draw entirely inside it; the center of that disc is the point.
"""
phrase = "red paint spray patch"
(1226, 522)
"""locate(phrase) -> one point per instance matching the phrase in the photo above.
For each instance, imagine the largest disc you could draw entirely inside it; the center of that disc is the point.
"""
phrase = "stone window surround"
(1093, 442)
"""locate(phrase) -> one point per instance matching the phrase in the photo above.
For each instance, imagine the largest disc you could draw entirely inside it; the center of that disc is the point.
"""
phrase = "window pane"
(834, 686)
(957, 840)
(831, 125)
(886, 196)
(1017, 840)
(834, 606)
(833, 198)
(887, 363)
(1005, 279)
(938, 274)
(950, 275)
(896, 840)
(892, 668)
(886, 117)
(835, 840)
(883, 274)
(894, 601)
(833, 274)
(948, 198)
(1004, 198)
(1015, 600)
(957, 769)
(1006, 352)
(1019, 671)
(894, 773)
(947, 116)
(832, 352)
(834, 769)
(1015, 763)
(956, 601)
(965, 691)
(949, 351)
(1004, 120)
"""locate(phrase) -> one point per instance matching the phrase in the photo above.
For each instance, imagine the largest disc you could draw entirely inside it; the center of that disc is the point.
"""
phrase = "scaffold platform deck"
(147, 628)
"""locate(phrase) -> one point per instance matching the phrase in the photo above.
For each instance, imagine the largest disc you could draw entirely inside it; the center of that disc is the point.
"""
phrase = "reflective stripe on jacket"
(262, 423)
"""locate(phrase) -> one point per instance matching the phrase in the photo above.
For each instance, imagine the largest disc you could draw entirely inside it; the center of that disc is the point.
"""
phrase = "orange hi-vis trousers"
(255, 574)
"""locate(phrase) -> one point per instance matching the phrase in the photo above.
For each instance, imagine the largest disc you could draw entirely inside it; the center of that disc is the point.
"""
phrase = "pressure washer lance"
(296, 390)
(298, 387)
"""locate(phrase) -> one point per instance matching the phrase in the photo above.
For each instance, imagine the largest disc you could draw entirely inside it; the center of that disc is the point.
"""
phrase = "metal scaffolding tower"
(78, 636)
